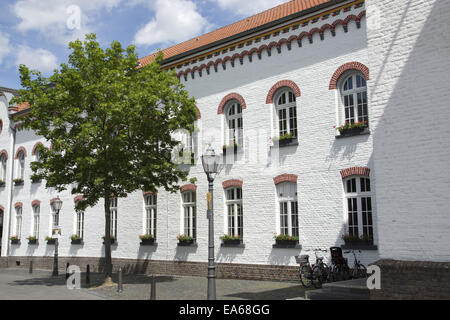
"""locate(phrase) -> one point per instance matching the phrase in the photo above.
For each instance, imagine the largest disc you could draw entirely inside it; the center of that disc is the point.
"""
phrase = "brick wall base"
(413, 280)
(3, 262)
(223, 270)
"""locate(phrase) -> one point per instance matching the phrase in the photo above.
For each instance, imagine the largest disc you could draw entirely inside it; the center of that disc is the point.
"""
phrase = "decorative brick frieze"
(233, 183)
(280, 84)
(229, 97)
(18, 205)
(35, 203)
(285, 178)
(355, 171)
(346, 67)
(19, 150)
(4, 152)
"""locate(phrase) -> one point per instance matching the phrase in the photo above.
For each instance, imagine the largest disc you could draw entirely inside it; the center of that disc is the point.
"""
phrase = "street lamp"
(210, 163)
(57, 204)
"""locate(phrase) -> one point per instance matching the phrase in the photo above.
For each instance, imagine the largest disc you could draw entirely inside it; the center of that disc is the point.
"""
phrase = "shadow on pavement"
(276, 294)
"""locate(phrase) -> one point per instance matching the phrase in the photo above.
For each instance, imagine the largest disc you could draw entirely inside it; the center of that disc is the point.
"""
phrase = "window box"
(285, 141)
(147, 242)
(186, 243)
(286, 242)
(50, 241)
(112, 238)
(2, 184)
(359, 246)
(18, 182)
(79, 241)
(14, 240)
(36, 180)
(185, 240)
(351, 132)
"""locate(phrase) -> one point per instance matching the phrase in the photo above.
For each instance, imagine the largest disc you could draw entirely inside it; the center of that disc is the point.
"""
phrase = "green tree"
(110, 124)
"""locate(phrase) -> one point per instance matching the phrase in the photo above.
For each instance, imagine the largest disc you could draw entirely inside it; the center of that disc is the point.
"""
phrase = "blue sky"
(37, 32)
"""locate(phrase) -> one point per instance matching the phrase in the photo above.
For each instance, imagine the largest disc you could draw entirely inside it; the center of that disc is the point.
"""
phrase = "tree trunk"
(108, 260)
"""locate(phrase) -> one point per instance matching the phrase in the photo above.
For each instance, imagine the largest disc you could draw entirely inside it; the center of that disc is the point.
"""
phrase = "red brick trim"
(346, 67)
(1, 125)
(18, 151)
(35, 203)
(77, 198)
(233, 183)
(4, 152)
(281, 84)
(52, 201)
(285, 178)
(147, 193)
(33, 152)
(2, 208)
(18, 204)
(355, 171)
(229, 97)
(188, 187)
(199, 114)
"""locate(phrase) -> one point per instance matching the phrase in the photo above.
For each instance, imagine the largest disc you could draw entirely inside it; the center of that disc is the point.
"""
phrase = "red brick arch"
(1, 125)
(35, 203)
(77, 198)
(33, 152)
(285, 178)
(199, 114)
(4, 152)
(233, 183)
(18, 151)
(2, 208)
(346, 67)
(355, 171)
(281, 84)
(228, 97)
(147, 193)
(18, 204)
(188, 187)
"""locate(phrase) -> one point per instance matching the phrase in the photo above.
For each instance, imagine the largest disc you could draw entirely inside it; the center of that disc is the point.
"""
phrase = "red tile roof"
(247, 24)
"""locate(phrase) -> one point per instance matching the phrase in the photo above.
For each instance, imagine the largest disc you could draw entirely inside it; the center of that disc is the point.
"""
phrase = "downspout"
(10, 186)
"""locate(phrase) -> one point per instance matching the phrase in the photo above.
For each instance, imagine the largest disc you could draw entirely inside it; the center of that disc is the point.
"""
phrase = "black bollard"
(31, 266)
(119, 284)
(67, 270)
(88, 276)
(153, 289)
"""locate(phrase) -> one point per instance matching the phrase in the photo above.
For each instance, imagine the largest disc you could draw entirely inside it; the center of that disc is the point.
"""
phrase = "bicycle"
(359, 270)
(340, 270)
(308, 276)
(321, 269)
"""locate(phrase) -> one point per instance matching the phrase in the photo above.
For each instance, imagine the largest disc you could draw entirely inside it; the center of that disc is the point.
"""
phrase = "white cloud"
(174, 21)
(50, 17)
(36, 59)
(248, 7)
(5, 48)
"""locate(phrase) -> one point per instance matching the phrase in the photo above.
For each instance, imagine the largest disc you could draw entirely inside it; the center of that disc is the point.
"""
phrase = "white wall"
(317, 161)
(409, 50)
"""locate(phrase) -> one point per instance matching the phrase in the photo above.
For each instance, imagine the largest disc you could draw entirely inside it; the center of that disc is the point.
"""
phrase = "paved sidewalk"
(18, 284)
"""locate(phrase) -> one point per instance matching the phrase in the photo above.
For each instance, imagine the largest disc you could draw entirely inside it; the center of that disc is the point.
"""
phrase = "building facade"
(271, 98)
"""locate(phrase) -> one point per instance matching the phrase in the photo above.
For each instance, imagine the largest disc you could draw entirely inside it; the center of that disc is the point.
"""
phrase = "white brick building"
(302, 73)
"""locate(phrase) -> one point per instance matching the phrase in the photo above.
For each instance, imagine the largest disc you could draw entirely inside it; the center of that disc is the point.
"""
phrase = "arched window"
(18, 221)
(234, 222)
(54, 218)
(354, 99)
(113, 211)
(20, 165)
(79, 223)
(359, 207)
(286, 111)
(234, 124)
(2, 168)
(36, 220)
(150, 214)
(288, 208)
(189, 221)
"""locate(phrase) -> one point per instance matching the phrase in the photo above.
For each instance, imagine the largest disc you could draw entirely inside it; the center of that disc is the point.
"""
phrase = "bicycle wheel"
(305, 276)
(361, 271)
(326, 273)
(317, 277)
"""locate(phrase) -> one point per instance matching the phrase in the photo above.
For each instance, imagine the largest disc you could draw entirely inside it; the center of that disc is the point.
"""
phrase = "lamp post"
(210, 163)
(57, 204)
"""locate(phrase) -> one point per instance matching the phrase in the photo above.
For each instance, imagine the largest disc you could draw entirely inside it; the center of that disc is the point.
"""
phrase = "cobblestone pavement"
(18, 284)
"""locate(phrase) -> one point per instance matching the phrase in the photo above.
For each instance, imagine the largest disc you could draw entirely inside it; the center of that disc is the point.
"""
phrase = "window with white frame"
(234, 124)
(20, 165)
(286, 111)
(79, 224)
(288, 206)
(234, 212)
(3, 168)
(19, 222)
(359, 206)
(150, 214)
(113, 214)
(354, 99)
(36, 220)
(189, 214)
(55, 217)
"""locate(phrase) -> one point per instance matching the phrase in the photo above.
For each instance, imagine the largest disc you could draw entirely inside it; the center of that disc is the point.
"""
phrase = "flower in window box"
(50, 240)
(18, 181)
(14, 239)
(184, 239)
(351, 239)
(231, 239)
(284, 139)
(147, 239)
(349, 128)
(2, 183)
(285, 239)
(35, 179)
(32, 240)
(113, 239)
(76, 239)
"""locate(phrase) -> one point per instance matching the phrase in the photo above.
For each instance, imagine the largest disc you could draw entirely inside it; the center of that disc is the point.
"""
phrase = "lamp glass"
(57, 204)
